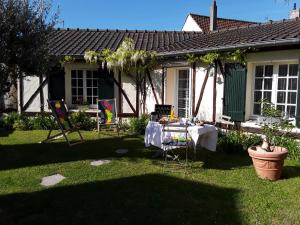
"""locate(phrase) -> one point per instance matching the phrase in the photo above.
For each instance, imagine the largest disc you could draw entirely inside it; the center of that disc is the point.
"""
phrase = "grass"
(135, 189)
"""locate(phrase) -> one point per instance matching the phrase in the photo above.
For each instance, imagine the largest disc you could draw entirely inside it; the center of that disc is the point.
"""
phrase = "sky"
(161, 14)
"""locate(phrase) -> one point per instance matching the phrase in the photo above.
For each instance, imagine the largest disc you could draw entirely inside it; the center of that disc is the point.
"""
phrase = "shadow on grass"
(291, 172)
(223, 161)
(5, 133)
(25, 155)
(148, 199)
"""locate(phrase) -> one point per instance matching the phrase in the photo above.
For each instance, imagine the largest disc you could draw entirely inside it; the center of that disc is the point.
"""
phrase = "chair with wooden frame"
(107, 115)
(60, 112)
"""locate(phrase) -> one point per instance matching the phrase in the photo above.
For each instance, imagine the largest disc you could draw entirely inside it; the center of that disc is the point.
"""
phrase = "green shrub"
(23, 123)
(83, 121)
(236, 141)
(9, 120)
(41, 122)
(125, 126)
(138, 125)
(291, 144)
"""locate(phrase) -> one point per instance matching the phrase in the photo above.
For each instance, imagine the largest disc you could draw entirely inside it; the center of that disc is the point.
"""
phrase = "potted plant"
(82, 105)
(268, 158)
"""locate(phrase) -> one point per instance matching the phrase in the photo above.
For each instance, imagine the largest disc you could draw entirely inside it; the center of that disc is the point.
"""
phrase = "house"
(271, 71)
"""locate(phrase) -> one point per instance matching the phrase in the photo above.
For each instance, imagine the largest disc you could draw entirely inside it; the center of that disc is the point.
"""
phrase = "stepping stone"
(52, 180)
(121, 151)
(100, 162)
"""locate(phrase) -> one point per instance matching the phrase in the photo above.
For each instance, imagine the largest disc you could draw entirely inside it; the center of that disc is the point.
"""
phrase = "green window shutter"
(298, 99)
(105, 86)
(235, 92)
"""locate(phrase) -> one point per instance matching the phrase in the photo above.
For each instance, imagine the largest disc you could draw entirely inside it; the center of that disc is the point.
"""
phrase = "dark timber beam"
(120, 93)
(137, 97)
(152, 86)
(144, 94)
(221, 67)
(21, 94)
(41, 94)
(163, 87)
(193, 88)
(215, 92)
(202, 91)
(35, 94)
(124, 94)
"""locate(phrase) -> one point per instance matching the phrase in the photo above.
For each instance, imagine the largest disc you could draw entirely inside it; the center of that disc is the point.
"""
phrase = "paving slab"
(52, 180)
(121, 151)
(100, 162)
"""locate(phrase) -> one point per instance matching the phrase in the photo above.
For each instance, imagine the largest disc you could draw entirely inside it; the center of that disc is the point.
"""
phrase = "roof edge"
(277, 43)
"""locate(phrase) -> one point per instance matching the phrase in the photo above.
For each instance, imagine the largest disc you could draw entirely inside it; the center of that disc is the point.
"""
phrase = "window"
(286, 98)
(91, 87)
(77, 87)
(183, 100)
(84, 86)
(263, 86)
(278, 84)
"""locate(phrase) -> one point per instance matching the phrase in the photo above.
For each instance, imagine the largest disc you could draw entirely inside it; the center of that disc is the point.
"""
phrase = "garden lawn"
(135, 189)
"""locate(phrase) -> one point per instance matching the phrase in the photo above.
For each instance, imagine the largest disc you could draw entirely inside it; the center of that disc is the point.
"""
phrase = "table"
(206, 136)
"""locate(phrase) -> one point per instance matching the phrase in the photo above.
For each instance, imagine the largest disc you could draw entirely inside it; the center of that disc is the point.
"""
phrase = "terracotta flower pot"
(268, 165)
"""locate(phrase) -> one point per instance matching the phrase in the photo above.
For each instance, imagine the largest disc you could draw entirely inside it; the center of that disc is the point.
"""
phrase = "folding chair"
(60, 112)
(170, 143)
(225, 120)
(107, 114)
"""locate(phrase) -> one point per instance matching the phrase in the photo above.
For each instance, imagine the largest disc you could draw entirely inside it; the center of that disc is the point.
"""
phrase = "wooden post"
(120, 93)
(221, 67)
(193, 89)
(202, 91)
(41, 95)
(33, 96)
(215, 92)
(21, 94)
(124, 94)
(163, 86)
(152, 86)
(144, 94)
(137, 98)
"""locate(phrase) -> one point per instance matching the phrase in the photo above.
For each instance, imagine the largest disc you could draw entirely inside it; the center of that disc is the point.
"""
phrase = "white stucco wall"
(128, 85)
(30, 85)
(191, 25)
(156, 77)
(206, 106)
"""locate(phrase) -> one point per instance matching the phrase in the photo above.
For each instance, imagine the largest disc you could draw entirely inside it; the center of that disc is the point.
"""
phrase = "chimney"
(213, 16)
(295, 13)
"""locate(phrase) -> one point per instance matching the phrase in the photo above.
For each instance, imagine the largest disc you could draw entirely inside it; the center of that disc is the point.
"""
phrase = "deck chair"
(60, 112)
(107, 114)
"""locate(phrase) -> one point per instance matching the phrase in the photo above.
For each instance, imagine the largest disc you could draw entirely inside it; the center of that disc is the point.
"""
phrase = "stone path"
(52, 180)
(121, 151)
(100, 162)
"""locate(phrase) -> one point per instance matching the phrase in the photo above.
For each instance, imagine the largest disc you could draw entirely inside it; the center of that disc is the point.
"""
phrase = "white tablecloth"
(206, 136)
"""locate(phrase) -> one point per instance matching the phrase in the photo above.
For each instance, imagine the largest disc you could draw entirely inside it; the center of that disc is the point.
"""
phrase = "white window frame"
(189, 90)
(274, 84)
(84, 77)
